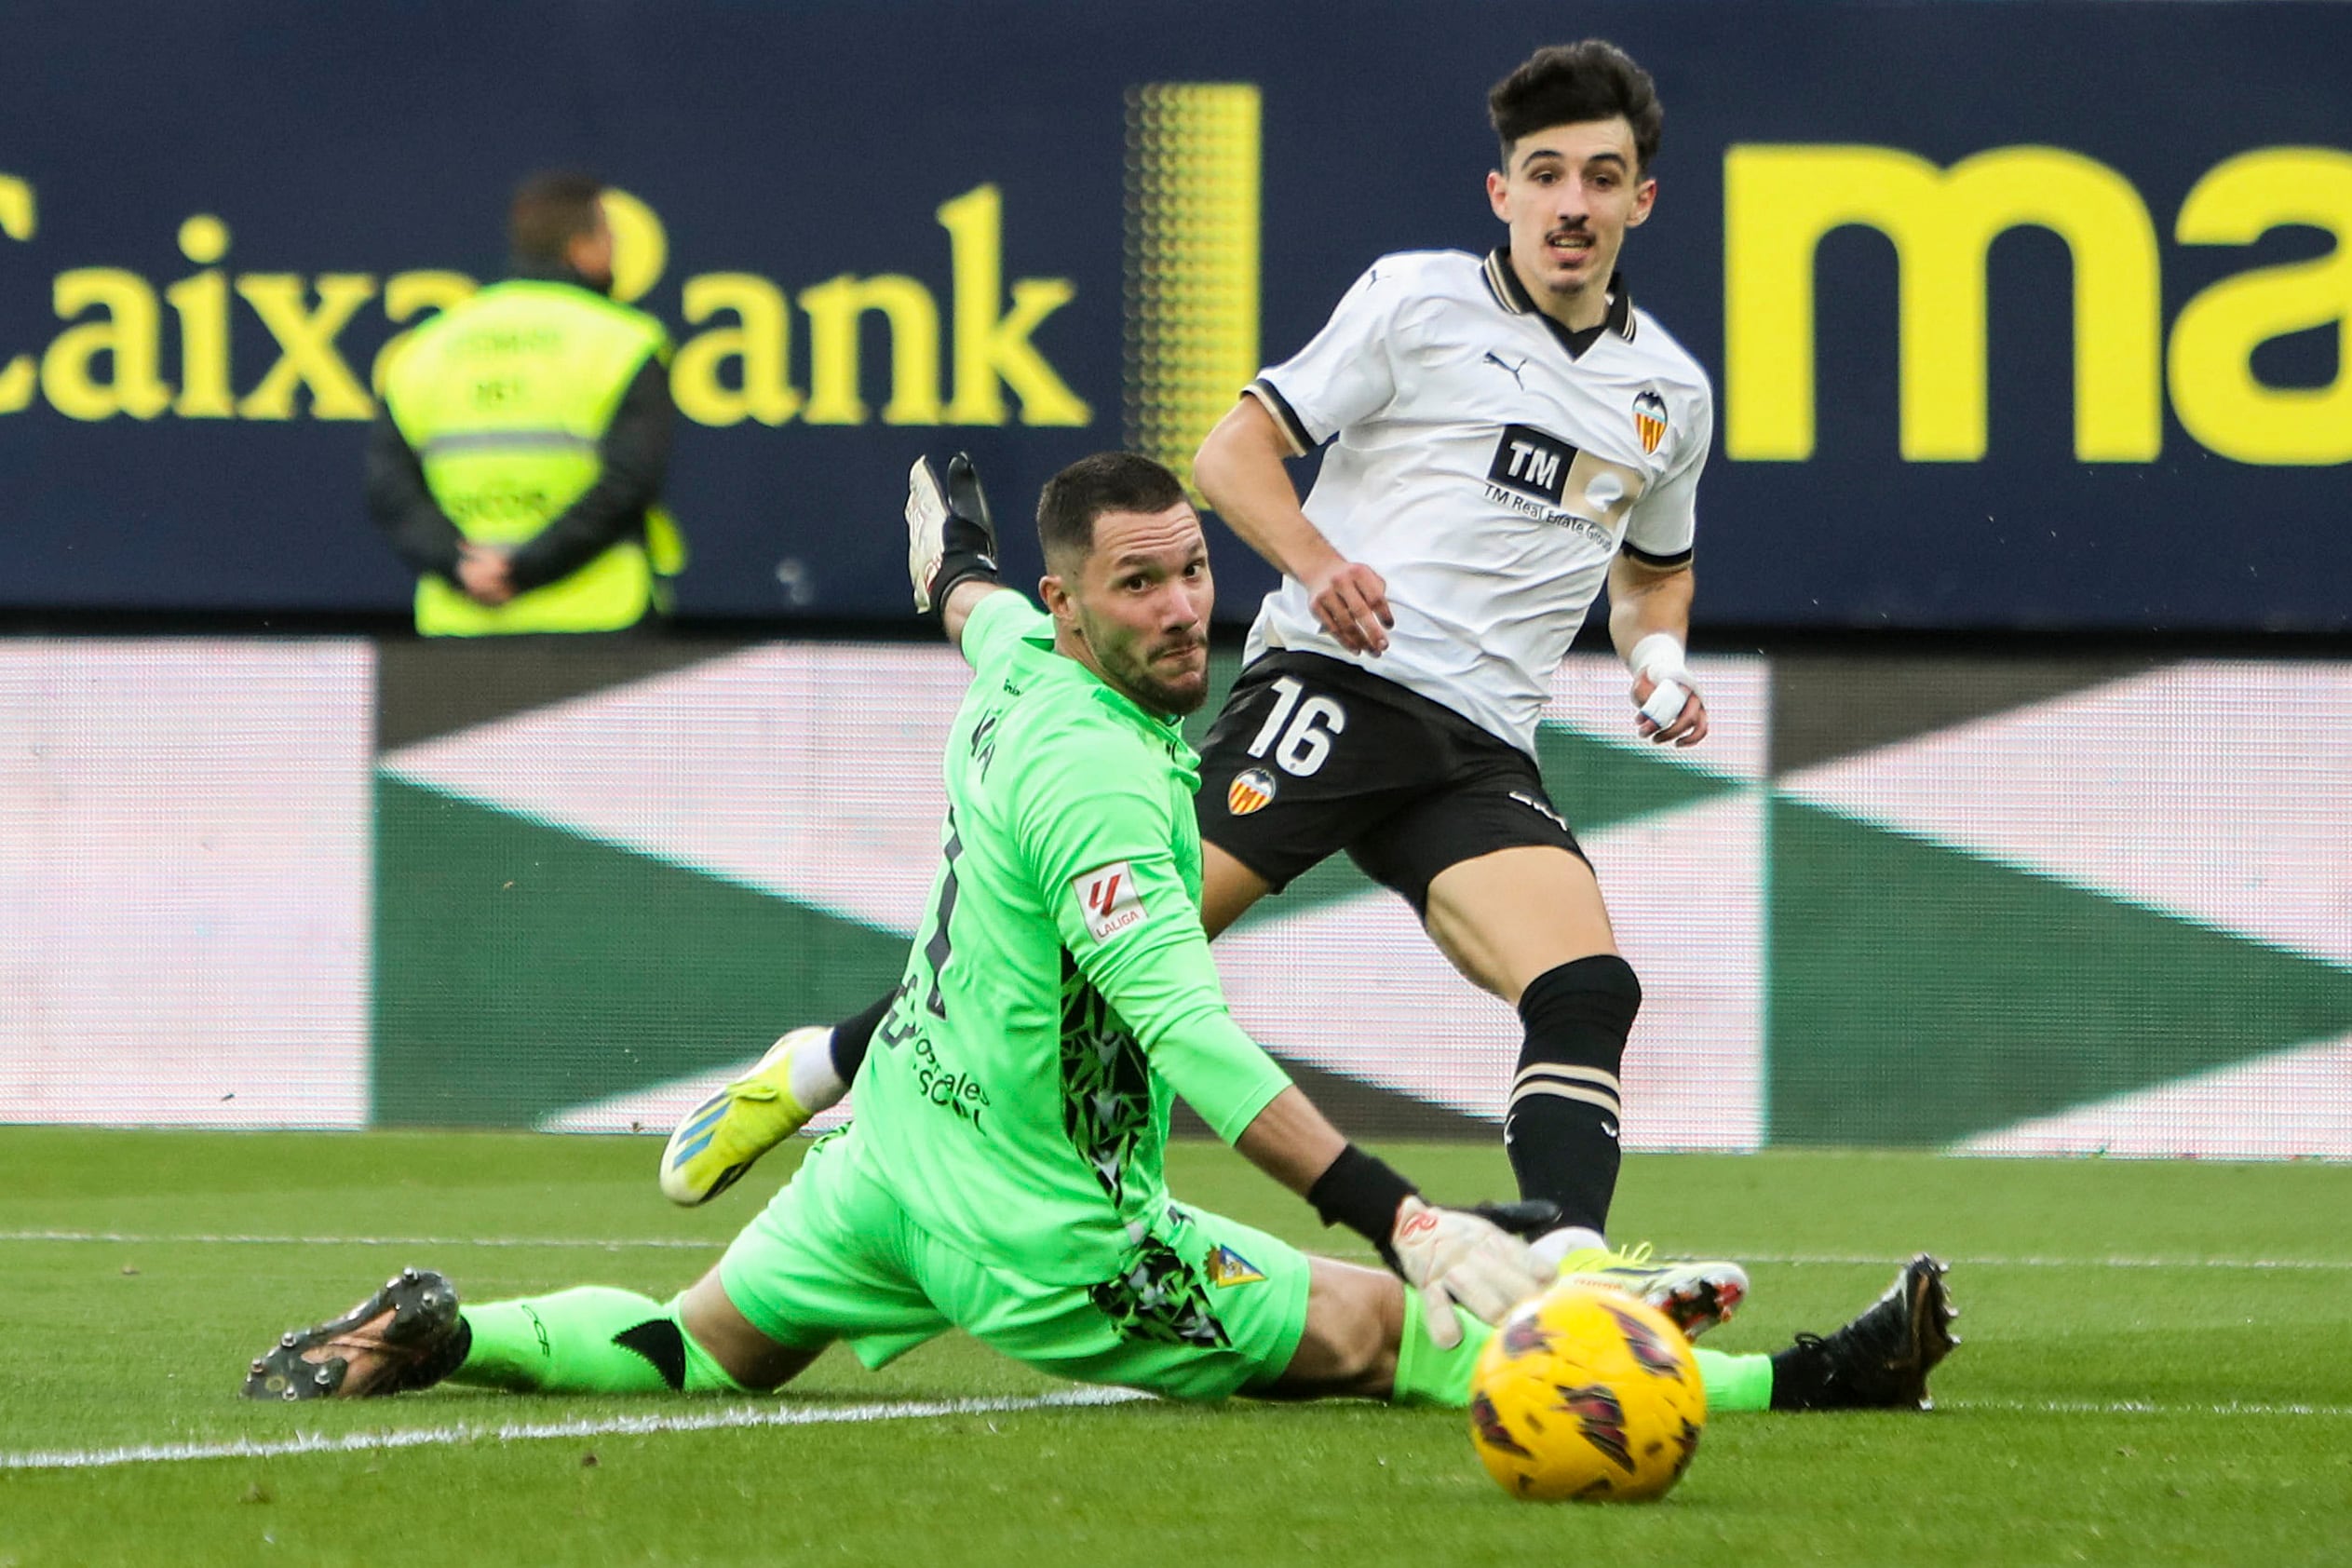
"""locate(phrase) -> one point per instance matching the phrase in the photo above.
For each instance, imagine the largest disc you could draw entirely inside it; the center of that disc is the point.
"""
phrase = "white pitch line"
(2141, 1407)
(738, 1417)
(715, 1244)
(1982, 1261)
(719, 1244)
(733, 1417)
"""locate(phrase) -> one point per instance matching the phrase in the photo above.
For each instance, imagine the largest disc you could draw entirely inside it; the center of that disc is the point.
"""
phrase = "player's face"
(1569, 194)
(1137, 612)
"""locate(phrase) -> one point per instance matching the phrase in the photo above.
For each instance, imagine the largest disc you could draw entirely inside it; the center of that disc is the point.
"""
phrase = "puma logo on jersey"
(1107, 899)
(1509, 369)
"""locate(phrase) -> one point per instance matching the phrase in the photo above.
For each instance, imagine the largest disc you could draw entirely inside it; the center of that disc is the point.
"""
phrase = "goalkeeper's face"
(1135, 609)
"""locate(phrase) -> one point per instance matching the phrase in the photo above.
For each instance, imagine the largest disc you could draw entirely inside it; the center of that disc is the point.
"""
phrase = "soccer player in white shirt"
(1506, 434)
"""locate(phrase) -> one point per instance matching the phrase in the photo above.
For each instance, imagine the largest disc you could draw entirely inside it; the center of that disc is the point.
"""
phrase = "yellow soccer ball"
(1589, 1394)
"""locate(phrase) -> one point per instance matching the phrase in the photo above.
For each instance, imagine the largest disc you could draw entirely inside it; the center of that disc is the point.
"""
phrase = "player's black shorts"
(1311, 755)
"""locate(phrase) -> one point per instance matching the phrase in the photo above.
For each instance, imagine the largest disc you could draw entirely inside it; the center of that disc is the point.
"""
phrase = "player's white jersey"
(1488, 465)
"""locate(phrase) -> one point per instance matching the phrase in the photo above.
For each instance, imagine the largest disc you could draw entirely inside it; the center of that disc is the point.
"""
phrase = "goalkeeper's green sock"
(1426, 1375)
(591, 1340)
(1734, 1382)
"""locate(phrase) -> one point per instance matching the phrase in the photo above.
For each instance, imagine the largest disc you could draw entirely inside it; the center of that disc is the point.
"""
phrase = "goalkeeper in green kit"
(1004, 1173)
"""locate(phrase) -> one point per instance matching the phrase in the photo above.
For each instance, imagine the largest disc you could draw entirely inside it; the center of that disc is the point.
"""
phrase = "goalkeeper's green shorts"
(1202, 1308)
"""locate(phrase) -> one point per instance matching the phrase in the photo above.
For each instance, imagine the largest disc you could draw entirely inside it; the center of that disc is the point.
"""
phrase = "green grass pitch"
(2158, 1368)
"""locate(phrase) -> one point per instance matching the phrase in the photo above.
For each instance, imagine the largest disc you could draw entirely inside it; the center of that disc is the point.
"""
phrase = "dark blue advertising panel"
(2019, 314)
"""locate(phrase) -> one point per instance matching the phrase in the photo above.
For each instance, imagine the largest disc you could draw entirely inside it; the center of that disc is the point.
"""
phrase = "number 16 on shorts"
(1298, 733)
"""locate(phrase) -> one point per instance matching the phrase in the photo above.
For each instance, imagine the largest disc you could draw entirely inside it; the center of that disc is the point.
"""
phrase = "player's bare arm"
(1649, 622)
(1290, 1141)
(1240, 468)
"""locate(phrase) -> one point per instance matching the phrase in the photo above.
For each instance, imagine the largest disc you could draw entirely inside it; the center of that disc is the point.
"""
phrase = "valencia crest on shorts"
(1251, 789)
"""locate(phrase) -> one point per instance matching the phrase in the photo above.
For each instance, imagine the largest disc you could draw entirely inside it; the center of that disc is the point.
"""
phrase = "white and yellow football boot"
(727, 1134)
(1696, 1295)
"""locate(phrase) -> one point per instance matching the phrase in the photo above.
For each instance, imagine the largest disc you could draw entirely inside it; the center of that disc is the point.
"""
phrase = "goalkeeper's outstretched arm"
(961, 600)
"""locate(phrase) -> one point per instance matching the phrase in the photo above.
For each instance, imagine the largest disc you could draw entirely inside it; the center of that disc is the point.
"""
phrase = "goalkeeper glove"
(950, 536)
(1453, 1256)
(1449, 1255)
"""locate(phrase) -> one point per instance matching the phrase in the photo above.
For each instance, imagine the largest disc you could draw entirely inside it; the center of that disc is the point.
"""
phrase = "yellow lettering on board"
(306, 345)
(126, 336)
(1780, 201)
(990, 349)
(2215, 392)
(833, 309)
(760, 343)
(19, 376)
(202, 303)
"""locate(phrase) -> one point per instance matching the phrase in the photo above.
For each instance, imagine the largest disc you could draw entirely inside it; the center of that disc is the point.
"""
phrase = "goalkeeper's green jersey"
(1061, 988)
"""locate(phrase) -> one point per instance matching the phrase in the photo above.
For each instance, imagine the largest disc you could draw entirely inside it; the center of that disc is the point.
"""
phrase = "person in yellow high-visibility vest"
(519, 460)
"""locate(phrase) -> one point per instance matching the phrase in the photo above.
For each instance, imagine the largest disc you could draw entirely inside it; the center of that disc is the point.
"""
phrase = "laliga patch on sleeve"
(1108, 901)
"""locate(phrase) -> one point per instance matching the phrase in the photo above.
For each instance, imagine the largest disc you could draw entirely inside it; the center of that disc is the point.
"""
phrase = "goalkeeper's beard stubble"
(1166, 673)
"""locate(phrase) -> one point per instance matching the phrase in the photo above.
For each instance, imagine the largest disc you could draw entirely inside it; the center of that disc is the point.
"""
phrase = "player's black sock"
(853, 1035)
(1561, 1128)
(1800, 1377)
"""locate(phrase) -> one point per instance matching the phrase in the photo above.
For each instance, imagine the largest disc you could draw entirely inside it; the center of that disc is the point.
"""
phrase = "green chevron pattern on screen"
(2075, 915)
(520, 969)
(1971, 904)
(1920, 996)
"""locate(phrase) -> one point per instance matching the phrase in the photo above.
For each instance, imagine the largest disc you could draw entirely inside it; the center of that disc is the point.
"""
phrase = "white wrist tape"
(1659, 656)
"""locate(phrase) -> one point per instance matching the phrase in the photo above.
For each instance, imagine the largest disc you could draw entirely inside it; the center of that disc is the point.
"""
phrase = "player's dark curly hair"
(1569, 83)
(1108, 482)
